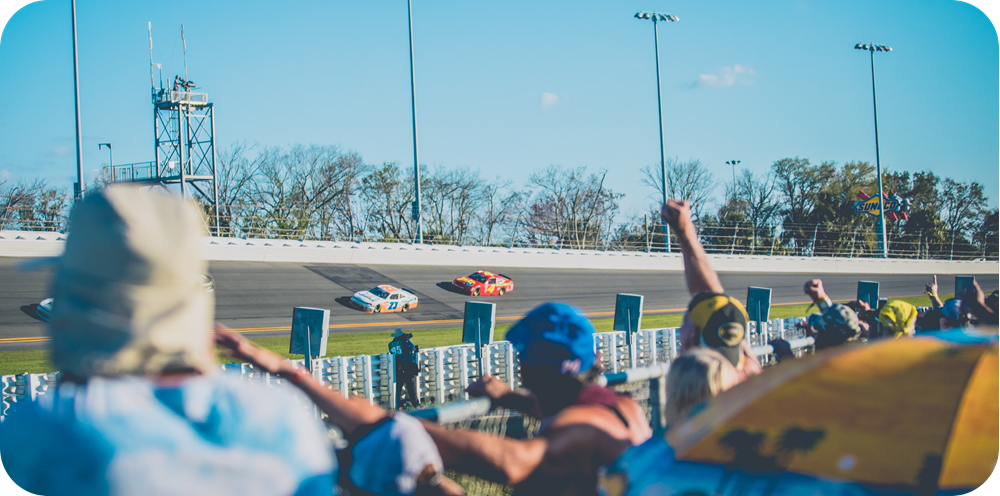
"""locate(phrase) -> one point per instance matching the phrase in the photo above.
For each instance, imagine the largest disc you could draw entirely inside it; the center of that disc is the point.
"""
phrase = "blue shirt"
(208, 435)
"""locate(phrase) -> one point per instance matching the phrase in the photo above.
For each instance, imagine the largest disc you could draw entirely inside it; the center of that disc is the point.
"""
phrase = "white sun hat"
(127, 290)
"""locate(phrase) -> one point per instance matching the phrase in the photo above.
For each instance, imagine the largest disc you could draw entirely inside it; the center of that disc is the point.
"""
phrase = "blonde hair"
(695, 376)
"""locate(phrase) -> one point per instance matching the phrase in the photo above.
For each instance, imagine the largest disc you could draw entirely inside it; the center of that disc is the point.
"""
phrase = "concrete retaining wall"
(36, 244)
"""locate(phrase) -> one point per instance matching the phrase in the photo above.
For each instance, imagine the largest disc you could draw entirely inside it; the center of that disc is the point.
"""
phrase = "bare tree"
(570, 206)
(450, 200)
(297, 192)
(685, 180)
(499, 206)
(756, 197)
(961, 202)
(31, 206)
(386, 194)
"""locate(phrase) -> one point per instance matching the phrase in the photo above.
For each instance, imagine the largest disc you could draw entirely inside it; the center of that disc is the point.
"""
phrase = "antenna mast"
(152, 84)
(185, 53)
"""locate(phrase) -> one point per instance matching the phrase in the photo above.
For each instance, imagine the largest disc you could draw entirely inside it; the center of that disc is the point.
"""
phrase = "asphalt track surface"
(257, 297)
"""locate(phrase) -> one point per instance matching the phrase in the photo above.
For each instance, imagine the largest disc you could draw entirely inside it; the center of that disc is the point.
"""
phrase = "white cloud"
(727, 76)
(5, 175)
(61, 150)
(549, 99)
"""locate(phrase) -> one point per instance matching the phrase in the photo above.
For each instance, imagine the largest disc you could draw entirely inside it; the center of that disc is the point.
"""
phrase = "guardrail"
(445, 372)
(35, 244)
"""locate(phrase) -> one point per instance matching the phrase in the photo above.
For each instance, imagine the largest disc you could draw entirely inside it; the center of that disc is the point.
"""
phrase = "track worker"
(584, 425)
(141, 406)
(404, 354)
(713, 319)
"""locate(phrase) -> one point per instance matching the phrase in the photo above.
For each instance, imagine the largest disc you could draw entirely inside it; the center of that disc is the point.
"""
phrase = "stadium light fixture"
(733, 163)
(111, 156)
(659, 17)
(871, 48)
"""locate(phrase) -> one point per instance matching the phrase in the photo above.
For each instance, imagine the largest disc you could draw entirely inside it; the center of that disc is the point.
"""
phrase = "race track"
(255, 296)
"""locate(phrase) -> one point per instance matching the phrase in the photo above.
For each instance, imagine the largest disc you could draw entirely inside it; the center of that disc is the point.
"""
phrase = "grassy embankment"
(370, 343)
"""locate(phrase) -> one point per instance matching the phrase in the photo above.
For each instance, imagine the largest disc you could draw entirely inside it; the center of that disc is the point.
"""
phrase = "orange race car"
(484, 283)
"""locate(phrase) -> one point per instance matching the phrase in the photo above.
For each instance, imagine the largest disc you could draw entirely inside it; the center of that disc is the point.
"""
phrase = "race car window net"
(478, 277)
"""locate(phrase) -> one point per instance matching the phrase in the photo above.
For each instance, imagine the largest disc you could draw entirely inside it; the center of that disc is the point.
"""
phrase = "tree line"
(795, 208)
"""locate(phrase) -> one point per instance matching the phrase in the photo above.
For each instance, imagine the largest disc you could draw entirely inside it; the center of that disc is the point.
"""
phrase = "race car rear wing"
(505, 277)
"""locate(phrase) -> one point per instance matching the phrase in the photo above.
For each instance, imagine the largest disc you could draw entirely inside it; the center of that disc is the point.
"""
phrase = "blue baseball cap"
(555, 334)
(954, 309)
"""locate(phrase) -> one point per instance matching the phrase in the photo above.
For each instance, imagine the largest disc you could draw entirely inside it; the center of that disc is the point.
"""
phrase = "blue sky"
(510, 88)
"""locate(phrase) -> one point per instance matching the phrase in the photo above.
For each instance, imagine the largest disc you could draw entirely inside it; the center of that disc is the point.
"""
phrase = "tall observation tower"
(183, 141)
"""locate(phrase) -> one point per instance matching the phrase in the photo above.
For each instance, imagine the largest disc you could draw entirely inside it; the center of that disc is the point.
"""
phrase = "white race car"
(44, 309)
(384, 298)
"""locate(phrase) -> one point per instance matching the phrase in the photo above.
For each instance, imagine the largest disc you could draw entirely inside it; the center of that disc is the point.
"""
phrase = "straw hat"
(127, 290)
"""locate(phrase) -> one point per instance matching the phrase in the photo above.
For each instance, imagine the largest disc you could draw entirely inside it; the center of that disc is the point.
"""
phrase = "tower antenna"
(151, 83)
(183, 42)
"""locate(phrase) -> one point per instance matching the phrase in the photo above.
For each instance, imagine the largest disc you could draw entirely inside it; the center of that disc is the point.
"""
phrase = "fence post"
(463, 370)
(657, 397)
(439, 375)
(342, 372)
(672, 344)
(366, 362)
(509, 362)
(812, 252)
(920, 237)
(735, 230)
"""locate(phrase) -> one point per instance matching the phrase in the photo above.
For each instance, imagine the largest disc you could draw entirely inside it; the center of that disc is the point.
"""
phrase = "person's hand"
(859, 307)
(242, 349)
(677, 214)
(814, 289)
(488, 386)
(976, 294)
(932, 288)
(865, 329)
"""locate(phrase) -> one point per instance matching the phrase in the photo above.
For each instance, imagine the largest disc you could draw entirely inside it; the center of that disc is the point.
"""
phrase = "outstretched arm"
(496, 459)
(346, 413)
(700, 276)
(932, 291)
(503, 396)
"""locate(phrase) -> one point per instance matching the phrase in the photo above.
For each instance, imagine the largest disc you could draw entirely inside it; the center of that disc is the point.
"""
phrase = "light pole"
(416, 156)
(733, 163)
(871, 48)
(78, 194)
(656, 17)
(111, 155)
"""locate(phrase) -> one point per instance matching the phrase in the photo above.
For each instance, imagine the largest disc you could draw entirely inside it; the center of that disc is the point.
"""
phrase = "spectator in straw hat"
(713, 319)
(142, 407)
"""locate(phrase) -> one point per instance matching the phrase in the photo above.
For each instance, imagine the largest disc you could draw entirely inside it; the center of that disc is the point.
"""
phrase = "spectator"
(404, 354)
(954, 315)
(694, 377)
(984, 308)
(898, 319)
(867, 318)
(388, 453)
(713, 319)
(584, 426)
(835, 325)
(142, 407)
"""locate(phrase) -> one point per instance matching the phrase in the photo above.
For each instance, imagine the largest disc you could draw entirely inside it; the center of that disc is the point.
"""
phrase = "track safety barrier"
(445, 372)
